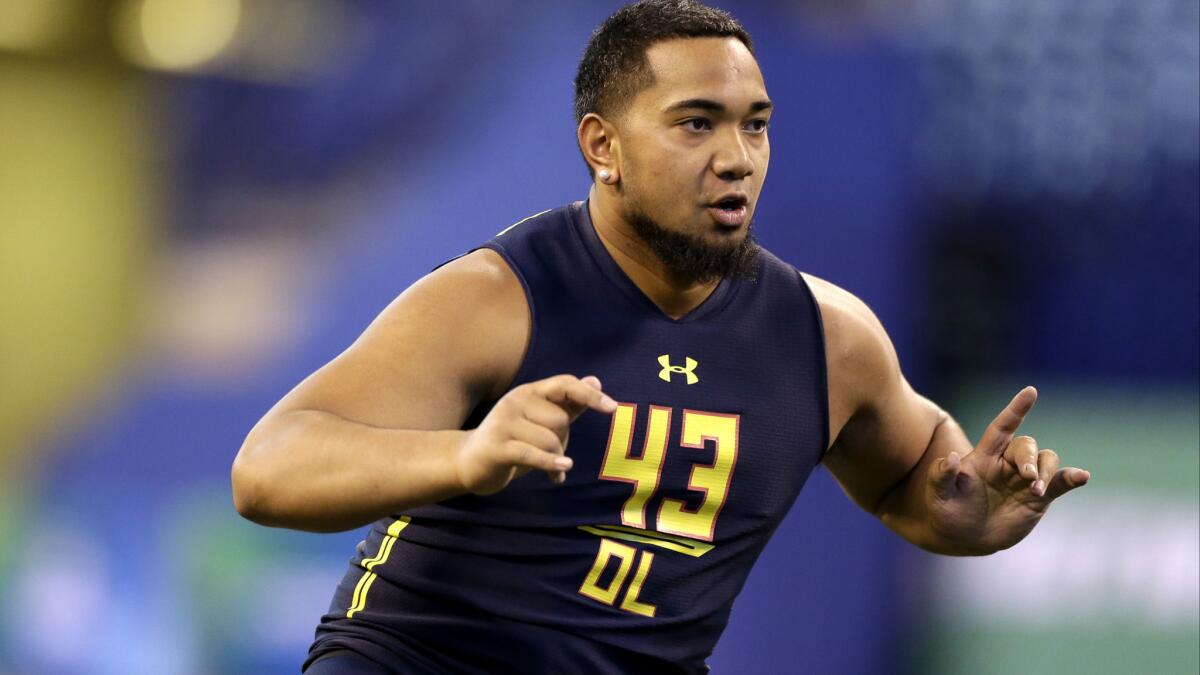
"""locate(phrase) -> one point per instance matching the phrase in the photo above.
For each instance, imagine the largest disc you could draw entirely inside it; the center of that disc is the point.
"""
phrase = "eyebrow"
(713, 106)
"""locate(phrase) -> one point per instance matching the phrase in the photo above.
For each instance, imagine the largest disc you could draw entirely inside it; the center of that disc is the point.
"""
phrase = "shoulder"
(860, 359)
(550, 222)
(451, 340)
(481, 274)
(854, 338)
(466, 289)
(772, 266)
(849, 322)
(474, 310)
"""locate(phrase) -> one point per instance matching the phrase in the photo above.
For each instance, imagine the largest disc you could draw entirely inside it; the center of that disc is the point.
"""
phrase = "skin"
(376, 430)
(712, 153)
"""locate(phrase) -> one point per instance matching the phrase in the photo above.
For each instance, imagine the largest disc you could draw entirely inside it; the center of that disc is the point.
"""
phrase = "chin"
(728, 235)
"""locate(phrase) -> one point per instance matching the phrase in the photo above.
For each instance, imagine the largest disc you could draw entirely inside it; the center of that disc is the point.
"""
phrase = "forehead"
(720, 69)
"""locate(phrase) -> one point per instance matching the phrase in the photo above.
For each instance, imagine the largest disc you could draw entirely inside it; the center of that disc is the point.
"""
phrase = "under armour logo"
(689, 369)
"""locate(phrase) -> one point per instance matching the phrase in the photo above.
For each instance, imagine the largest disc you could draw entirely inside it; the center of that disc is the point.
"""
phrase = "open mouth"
(730, 211)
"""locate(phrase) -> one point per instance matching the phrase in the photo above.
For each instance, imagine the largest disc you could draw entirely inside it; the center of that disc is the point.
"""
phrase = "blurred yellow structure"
(76, 183)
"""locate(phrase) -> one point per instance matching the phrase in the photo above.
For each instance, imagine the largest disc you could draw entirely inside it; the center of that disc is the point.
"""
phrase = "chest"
(716, 429)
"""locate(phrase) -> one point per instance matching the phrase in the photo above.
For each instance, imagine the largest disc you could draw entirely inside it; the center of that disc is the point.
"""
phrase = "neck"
(674, 295)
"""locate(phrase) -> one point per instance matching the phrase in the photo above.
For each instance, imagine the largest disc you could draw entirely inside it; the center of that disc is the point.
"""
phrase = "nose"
(732, 160)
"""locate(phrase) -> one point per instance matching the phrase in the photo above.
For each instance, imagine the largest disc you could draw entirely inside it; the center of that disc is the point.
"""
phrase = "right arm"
(377, 430)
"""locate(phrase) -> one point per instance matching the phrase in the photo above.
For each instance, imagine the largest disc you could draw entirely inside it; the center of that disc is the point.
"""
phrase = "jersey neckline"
(580, 218)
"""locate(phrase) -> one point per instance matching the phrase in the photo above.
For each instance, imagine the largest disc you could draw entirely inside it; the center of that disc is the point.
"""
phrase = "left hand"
(994, 496)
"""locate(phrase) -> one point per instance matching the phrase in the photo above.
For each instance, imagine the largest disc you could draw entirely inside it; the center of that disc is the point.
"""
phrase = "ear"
(599, 145)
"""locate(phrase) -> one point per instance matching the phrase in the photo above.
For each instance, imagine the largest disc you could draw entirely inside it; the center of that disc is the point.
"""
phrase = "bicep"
(446, 343)
(880, 425)
(880, 446)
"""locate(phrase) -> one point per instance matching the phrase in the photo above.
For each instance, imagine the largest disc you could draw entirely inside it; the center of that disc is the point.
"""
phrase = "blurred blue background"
(202, 201)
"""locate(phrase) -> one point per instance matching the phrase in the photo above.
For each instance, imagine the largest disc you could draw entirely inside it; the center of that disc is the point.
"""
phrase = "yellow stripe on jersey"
(521, 221)
(359, 601)
(670, 542)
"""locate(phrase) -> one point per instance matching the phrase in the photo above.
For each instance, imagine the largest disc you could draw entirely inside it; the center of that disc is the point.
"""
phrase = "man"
(714, 378)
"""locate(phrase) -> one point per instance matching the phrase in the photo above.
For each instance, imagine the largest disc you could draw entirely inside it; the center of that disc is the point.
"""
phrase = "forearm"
(905, 508)
(312, 470)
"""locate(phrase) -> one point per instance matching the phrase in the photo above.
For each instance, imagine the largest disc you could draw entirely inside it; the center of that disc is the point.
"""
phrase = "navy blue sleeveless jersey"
(633, 564)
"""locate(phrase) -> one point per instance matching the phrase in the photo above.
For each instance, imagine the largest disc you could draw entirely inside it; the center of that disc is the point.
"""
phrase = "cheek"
(661, 155)
(762, 160)
(660, 173)
(653, 172)
(672, 181)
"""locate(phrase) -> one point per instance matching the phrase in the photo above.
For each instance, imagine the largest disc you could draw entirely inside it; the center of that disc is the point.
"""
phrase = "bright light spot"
(177, 34)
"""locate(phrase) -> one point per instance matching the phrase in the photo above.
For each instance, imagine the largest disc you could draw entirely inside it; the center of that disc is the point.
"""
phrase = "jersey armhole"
(822, 362)
(521, 373)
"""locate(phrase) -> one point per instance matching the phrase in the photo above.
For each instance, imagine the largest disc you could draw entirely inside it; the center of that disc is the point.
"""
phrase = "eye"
(756, 126)
(697, 124)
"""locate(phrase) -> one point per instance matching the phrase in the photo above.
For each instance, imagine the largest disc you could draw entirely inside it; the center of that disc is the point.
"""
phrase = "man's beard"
(690, 257)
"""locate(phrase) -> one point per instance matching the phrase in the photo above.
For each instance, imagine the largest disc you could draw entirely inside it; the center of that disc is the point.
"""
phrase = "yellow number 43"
(644, 472)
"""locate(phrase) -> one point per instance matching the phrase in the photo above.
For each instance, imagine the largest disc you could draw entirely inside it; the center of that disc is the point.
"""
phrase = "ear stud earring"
(605, 175)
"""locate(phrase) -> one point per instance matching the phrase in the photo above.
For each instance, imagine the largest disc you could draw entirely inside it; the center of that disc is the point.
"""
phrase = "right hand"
(528, 429)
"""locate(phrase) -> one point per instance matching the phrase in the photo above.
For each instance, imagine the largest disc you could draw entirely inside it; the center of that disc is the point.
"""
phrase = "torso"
(723, 414)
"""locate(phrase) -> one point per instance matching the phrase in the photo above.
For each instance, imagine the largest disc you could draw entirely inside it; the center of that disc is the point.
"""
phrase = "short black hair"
(614, 67)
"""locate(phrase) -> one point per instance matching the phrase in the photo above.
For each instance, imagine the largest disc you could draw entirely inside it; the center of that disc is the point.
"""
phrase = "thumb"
(943, 476)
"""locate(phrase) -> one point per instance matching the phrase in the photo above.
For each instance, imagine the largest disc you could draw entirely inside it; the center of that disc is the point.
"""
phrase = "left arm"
(902, 458)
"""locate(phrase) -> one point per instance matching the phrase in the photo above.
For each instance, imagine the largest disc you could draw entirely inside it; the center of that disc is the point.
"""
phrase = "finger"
(1047, 467)
(1001, 430)
(1065, 480)
(943, 476)
(538, 436)
(574, 395)
(561, 396)
(576, 409)
(1022, 452)
(546, 414)
(523, 454)
(544, 439)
